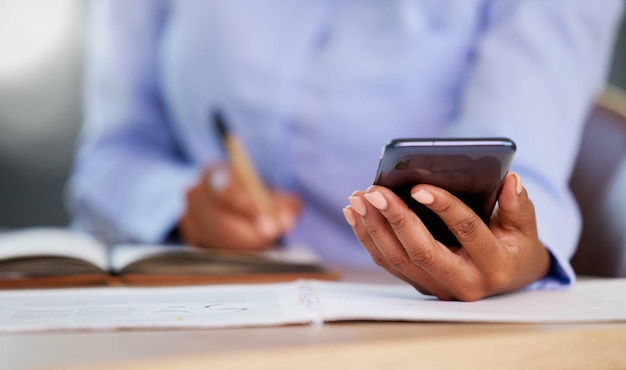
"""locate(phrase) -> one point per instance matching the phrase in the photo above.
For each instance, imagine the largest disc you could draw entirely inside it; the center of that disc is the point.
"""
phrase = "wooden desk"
(358, 345)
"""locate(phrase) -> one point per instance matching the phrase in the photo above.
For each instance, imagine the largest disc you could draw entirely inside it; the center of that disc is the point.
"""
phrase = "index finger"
(473, 234)
(436, 260)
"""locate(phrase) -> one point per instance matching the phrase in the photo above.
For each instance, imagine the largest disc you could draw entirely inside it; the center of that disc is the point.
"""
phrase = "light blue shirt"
(316, 88)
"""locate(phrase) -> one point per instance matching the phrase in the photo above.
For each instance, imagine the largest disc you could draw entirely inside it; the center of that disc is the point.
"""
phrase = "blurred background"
(41, 51)
(41, 44)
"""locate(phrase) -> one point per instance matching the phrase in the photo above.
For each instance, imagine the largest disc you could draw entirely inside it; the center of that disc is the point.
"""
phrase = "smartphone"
(472, 169)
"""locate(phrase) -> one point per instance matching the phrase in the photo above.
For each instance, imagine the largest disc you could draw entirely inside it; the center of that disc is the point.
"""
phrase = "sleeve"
(536, 70)
(130, 175)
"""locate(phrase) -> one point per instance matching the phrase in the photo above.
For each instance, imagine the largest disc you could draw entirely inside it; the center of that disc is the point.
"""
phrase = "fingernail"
(286, 220)
(347, 213)
(358, 204)
(218, 180)
(267, 226)
(423, 196)
(377, 199)
(518, 183)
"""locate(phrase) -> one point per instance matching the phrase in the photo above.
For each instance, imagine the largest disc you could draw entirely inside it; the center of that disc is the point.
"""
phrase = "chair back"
(599, 185)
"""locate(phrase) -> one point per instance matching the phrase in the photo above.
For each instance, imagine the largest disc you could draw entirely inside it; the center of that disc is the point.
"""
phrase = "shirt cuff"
(560, 275)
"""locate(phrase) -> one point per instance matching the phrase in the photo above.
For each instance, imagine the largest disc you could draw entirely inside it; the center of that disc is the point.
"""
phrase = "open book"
(59, 257)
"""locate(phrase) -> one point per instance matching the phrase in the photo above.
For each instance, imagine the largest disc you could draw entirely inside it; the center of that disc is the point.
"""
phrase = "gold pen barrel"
(245, 171)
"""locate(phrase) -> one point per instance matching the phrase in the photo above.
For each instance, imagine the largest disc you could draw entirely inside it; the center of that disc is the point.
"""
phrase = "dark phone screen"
(470, 169)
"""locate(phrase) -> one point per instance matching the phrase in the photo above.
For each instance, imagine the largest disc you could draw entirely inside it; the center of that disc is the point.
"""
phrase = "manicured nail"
(377, 199)
(518, 183)
(286, 220)
(423, 196)
(218, 180)
(358, 204)
(347, 213)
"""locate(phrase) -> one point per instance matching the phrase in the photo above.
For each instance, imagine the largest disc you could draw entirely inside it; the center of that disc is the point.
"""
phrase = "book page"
(52, 242)
(158, 258)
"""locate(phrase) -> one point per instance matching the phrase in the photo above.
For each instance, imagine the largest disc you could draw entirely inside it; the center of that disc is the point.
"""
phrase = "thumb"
(515, 210)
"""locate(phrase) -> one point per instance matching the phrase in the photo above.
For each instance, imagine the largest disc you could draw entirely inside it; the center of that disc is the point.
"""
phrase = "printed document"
(299, 302)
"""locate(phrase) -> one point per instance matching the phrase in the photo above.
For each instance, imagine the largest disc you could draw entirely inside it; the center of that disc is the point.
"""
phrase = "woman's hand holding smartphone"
(499, 252)
(470, 169)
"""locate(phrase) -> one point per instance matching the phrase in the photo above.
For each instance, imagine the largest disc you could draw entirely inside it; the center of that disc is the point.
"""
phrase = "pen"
(242, 165)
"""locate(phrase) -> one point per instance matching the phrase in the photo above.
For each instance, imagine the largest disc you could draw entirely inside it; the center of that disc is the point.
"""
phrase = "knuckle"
(398, 262)
(402, 226)
(499, 278)
(397, 221)
(374, 232)
(443, 206)
(466, 228)
(424, 257)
